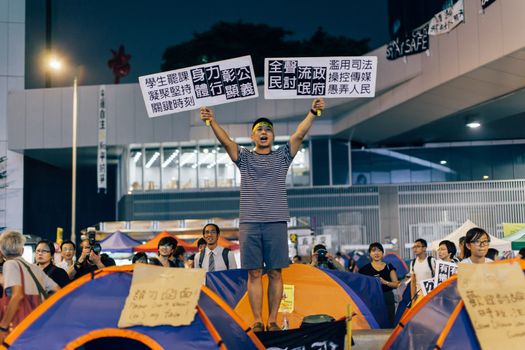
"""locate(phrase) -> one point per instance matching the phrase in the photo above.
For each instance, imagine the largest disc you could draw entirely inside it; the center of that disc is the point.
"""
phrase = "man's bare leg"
(255, 293)
(275, 293)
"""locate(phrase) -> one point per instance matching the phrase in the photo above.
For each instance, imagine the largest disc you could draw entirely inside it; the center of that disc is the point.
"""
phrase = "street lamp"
(55, 64)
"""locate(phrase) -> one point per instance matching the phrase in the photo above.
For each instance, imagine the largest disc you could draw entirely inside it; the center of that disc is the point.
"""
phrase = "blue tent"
(88, 310)
(398, 263)
(118, 242)
(438, 321)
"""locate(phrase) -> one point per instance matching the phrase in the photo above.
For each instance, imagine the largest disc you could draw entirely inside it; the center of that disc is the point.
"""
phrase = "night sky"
(85, 30)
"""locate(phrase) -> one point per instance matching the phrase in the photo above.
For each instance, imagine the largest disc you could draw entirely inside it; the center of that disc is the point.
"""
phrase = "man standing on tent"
(264, 206)
(214, 257)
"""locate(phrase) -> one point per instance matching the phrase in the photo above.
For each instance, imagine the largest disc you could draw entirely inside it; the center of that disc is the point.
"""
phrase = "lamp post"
(55, 64)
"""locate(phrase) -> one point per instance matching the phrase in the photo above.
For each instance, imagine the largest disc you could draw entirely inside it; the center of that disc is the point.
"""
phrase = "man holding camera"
(323, 259)
(89, 261)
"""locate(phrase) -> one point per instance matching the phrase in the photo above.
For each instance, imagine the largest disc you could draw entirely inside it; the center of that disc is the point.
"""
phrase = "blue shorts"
(264, 245)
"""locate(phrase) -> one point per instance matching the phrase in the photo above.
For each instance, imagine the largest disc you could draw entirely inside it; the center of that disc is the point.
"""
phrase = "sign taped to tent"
(193, 87)
(162, 296)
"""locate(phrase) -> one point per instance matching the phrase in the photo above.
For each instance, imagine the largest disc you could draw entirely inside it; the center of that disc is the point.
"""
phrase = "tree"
(228, 40)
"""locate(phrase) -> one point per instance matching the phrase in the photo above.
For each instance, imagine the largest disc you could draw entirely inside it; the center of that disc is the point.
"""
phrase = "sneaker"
(272, 327)
(258, 327)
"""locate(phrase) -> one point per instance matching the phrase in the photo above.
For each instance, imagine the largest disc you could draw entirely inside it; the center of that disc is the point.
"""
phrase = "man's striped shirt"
(263, 185)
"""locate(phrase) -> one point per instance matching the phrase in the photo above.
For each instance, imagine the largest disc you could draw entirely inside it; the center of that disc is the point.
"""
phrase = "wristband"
(315, 113)
(2, 329)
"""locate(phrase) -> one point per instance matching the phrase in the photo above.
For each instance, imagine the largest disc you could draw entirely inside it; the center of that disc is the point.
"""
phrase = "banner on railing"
(102, 152)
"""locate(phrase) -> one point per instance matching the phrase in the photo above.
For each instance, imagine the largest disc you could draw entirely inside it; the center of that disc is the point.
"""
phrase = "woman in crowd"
(447, 251)
(45, 250)
(67, 251)
(386, 273)
(477, 243)
(140, 258)
(165, 249)
(22, 282)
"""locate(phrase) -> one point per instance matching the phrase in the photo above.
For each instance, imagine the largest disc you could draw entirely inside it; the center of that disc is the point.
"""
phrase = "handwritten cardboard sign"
(287, 302)
(494, 295)
(162, 296)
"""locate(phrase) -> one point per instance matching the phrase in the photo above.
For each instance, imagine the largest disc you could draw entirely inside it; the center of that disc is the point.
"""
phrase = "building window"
(135, 170)
(207, 164)
(300, 168)
(152, 169)
(170, 168)
(225, 169)
(188, 167)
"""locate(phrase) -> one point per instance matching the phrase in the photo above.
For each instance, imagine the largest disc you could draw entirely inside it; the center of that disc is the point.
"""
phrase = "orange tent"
(223, 242)
(152, 244)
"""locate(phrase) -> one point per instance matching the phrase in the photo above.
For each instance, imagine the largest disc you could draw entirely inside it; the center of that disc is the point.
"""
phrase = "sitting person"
(25, 285)
(447, 251)
(386, 274)
(44, 252)
(477, 243)
(165, 249)
(323, 259)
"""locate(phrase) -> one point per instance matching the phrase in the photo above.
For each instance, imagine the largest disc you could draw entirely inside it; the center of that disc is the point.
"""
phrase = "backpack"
(429, 260)
(225, 252)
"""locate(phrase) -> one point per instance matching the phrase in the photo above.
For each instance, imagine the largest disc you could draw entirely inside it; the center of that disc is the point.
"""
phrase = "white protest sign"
(203, 85)
(448, 19)
(427, 285)
(443, 271)
(162, 296)
(494, 296)
(329, 77)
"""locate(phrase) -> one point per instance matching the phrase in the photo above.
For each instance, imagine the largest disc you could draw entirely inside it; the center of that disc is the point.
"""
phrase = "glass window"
(135, 170)
(170, 168)
(207, 164)
(321, 162)
(301, 167)
(340, 166)
(152, 169)
(188, 167)
(225, 168)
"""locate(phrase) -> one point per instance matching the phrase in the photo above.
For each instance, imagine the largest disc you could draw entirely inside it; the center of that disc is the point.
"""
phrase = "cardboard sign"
(427, 285)
(162, 296)
(329, 77)
(443, 271)
(494, 296)
(193, 87)
(287, 302)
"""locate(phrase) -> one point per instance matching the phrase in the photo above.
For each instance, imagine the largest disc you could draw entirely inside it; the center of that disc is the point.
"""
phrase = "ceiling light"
(473, 124)
(485, 177)
(443, 162)
(137, 157)
(152, 159)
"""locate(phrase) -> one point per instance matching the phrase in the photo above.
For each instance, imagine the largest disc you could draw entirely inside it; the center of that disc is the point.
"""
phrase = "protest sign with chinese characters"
(329, 77)
(162, 296)
(287, 302)
(494, 296)
(443, 271)
(427, 285)
(193, 87)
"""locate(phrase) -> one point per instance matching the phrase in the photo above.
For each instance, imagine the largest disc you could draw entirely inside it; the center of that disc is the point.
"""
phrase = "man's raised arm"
(230, 146)
(298, 136)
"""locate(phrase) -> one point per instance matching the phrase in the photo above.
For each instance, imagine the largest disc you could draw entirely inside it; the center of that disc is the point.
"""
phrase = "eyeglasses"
(42, 251)
(68, 250)
(481, 243)
(210, 232)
